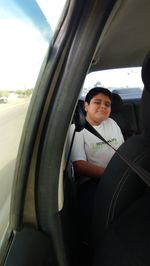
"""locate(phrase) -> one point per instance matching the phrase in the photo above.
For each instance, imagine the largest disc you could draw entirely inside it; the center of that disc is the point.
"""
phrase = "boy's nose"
(102, 105)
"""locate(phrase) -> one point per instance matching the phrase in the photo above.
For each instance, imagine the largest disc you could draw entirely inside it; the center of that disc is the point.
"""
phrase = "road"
(12, 116)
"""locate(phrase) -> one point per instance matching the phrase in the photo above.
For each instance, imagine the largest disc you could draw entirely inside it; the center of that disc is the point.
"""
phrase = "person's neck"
(93, 123)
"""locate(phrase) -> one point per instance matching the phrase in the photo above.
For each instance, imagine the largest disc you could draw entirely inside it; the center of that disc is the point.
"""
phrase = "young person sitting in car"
(90, 155)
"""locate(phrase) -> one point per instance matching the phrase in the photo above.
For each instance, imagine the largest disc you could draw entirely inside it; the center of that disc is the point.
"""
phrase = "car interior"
(122, 193)
(111, 199)
(47, 229)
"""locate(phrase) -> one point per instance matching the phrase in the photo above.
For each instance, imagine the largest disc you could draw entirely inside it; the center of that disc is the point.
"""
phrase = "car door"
(37, 232)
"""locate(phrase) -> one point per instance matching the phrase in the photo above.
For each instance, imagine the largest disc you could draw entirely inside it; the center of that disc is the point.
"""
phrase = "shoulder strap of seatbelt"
(143, 174)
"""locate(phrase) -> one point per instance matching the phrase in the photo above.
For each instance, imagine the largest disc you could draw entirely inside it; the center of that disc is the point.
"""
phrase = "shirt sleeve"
(78, 151)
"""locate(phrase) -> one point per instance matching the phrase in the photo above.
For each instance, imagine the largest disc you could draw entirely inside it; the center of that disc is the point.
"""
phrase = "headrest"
(146, 72)
(79, 116)
(145, 103)
(117, 103)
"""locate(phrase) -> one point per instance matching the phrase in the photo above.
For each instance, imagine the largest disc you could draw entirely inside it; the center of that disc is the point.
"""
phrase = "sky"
(52, 13)
(25, 33)
(26, 26)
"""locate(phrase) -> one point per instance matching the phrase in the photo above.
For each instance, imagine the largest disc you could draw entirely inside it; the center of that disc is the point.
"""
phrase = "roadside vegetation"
(19, 93)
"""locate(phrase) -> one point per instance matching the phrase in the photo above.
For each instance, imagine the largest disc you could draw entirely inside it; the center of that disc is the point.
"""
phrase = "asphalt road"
(12, 116)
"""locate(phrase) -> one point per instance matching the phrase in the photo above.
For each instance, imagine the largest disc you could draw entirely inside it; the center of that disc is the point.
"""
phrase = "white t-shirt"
(88, 147)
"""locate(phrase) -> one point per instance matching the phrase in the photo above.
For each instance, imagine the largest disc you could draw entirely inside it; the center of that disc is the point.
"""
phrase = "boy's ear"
(85, 106)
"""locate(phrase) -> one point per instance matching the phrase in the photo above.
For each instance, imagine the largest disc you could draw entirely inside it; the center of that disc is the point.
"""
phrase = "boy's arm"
(84, 168)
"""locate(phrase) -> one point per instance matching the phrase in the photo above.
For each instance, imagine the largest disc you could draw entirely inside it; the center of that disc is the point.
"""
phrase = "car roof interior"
(127, 34)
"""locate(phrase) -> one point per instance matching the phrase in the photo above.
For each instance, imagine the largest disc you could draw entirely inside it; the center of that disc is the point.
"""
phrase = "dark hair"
(93, 92)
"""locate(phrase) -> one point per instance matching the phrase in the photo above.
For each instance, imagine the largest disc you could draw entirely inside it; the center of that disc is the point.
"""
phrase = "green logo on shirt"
(101, 145)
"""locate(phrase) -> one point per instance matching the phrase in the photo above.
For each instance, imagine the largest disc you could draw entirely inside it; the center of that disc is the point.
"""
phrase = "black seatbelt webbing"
(143, 174)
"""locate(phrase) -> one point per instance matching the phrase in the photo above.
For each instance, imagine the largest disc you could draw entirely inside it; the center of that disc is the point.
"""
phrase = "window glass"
(126, 81)
(26, 28)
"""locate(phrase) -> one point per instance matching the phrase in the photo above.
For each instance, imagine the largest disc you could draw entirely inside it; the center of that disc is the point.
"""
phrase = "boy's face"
(98, 109)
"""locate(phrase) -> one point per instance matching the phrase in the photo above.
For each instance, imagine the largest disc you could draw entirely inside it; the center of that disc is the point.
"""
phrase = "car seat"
(124, 116)
(121, 222)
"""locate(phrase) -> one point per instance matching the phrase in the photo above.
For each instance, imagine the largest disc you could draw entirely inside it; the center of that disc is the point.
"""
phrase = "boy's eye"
(107, 104)
(97, 102)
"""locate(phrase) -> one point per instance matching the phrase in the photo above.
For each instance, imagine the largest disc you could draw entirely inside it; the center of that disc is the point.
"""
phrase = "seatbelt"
(78, 128)
(142, 173)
